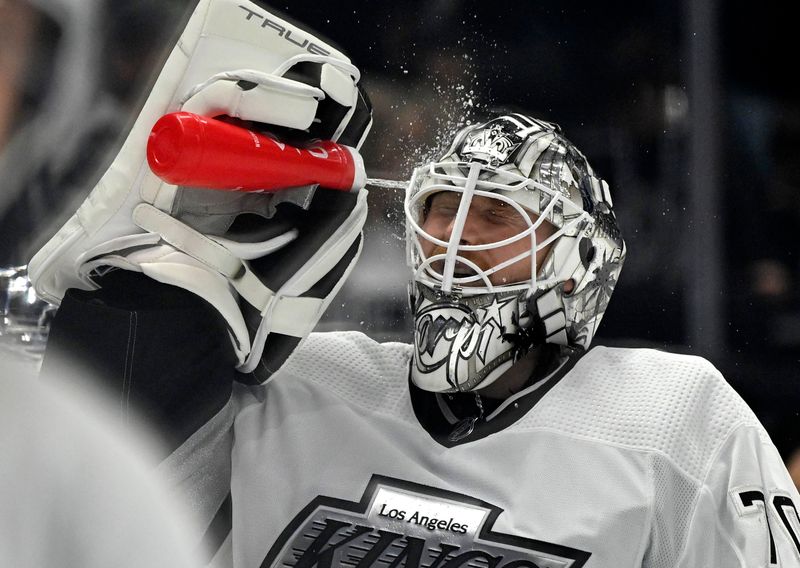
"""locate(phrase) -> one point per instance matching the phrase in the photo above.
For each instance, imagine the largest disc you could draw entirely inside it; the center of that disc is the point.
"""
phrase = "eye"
(503, 213)
(444, 210)
(495, 216)
(444, 204)
(499, 209)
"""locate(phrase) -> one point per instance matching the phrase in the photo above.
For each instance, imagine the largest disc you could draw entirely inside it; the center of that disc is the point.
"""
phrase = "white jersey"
(625, 458)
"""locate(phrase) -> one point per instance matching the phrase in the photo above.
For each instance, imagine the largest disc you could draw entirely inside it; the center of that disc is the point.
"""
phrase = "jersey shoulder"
(678, 405)
(353, 366)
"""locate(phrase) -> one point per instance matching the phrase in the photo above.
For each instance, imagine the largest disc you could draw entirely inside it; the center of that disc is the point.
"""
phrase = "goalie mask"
(513, 243)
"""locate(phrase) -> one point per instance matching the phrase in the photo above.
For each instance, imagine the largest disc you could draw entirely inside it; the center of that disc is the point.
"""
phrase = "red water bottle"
(197, 151)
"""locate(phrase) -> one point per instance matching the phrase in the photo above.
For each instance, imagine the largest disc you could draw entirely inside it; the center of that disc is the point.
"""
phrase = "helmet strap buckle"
(466, 426)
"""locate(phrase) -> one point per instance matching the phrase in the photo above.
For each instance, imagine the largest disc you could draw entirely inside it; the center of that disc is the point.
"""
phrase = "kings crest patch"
(403, 524)
(493, 145)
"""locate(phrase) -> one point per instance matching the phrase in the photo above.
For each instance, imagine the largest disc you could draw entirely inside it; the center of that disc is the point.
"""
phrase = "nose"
(469, 234)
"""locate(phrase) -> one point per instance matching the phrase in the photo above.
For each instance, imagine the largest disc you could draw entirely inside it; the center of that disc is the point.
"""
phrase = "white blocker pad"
(233, 58)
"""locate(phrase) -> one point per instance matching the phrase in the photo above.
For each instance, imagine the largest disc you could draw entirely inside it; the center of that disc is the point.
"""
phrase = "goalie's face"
(488, 220)
(477, 253)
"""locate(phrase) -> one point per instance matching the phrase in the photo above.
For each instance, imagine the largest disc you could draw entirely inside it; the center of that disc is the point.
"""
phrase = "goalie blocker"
(268, 264)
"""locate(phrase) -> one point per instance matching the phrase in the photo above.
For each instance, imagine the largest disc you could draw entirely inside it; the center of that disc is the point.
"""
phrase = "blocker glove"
(270, 263)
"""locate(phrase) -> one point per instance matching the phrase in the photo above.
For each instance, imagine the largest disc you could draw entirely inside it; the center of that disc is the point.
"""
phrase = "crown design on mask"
(491, 145)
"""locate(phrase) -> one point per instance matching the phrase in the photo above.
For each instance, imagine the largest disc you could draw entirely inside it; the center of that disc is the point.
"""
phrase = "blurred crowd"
(615, 75)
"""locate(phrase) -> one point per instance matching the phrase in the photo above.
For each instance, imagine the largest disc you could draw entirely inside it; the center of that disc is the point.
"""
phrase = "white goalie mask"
(513, 243)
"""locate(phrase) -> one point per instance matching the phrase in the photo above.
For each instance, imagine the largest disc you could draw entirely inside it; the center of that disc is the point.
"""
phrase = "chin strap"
(466, 426)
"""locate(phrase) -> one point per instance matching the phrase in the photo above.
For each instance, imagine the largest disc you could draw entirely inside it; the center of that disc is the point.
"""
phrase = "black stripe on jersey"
(430, 416)
(218, 530)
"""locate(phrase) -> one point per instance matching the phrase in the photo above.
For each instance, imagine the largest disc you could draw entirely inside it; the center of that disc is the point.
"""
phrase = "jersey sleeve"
(162, 356)
(746, 514)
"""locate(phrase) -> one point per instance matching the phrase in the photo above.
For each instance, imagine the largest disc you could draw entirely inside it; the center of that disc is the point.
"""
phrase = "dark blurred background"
(689, 109)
